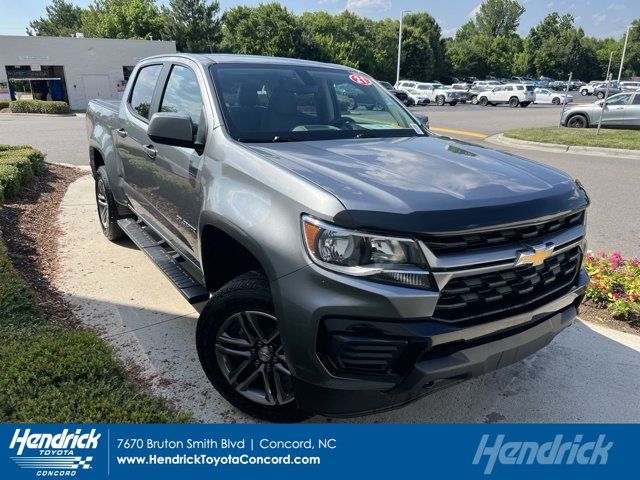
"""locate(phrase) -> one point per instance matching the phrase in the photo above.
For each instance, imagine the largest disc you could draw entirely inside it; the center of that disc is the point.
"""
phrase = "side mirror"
(424, 120)
(171, 128)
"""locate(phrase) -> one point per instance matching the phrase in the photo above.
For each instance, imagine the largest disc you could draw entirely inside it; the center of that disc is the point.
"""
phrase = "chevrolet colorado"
(351, 261)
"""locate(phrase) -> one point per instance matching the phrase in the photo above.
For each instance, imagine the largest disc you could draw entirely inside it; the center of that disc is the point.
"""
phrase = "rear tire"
(600, 95)
(577, 121)
(584, 92)
(241, 352)
(514, 102)
(556, 101)
(440, 100)
(474, 100)
(484, 101)
(107, 207)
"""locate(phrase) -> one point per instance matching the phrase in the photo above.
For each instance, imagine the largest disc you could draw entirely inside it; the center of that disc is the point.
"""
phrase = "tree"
(499, 18)
(632, 59)
(422, 48)
(193, 24)
(555, 47)
(123, 19)
(268, 29)
(62, 20)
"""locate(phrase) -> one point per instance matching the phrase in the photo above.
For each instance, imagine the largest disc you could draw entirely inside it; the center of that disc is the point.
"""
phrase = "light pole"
(624, 50)
(400, 44)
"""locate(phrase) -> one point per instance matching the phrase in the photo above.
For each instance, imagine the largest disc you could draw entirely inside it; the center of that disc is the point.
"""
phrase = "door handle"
(121, 132)
(620, 108)
(150, 151)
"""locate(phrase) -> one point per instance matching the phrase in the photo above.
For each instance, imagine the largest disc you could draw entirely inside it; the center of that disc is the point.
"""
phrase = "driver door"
(614, 111)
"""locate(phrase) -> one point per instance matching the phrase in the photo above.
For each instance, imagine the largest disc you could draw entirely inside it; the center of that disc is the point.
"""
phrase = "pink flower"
(616, 295)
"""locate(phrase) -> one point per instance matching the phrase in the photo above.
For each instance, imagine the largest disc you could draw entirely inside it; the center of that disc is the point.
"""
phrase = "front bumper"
(314, 305)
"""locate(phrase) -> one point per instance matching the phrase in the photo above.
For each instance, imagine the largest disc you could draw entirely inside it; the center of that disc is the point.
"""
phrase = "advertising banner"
(316, 451)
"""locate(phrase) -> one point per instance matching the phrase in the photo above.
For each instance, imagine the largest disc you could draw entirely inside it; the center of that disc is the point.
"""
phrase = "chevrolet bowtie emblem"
(535, 255)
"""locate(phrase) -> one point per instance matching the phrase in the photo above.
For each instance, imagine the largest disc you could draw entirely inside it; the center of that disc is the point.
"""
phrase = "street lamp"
(624, 50)
(400, 44)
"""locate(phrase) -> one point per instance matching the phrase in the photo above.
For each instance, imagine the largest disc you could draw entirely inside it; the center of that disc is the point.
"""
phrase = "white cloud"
(599, 18)
(616, 6)
(354, 5)
(475, 11)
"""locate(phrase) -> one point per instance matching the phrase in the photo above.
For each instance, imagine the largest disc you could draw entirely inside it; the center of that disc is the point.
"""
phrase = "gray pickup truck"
(351, 261)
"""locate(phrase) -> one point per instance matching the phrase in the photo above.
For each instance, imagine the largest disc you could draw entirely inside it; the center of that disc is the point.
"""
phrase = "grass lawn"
(49, 373)
(586, 137)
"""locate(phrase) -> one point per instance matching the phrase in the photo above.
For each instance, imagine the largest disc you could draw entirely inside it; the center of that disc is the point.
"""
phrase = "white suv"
(513, 94)
(590, 87)
(630, 86)
(439, 94)
(416, 96)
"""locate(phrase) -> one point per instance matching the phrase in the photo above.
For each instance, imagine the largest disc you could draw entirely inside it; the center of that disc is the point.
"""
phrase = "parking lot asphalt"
(589, 373)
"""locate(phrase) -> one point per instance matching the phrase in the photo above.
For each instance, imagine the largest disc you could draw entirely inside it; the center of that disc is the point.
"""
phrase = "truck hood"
(427, 184)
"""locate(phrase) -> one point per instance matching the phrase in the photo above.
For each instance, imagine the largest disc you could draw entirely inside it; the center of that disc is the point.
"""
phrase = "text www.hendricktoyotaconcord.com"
(202, 459)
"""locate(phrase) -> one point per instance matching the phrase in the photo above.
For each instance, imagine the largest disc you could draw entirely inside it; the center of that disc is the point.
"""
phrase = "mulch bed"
(595, 314)
(28, 223)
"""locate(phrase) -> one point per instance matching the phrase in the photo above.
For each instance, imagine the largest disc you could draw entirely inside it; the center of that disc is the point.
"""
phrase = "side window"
(619, 100)
(182, 95)
(636, 99)
(508, 89)
(142, 93)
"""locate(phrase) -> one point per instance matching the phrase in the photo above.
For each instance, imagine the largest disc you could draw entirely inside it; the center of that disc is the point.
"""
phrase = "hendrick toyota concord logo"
(54, 454)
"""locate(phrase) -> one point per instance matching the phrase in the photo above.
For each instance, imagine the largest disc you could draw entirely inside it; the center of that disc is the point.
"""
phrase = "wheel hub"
(264, 354)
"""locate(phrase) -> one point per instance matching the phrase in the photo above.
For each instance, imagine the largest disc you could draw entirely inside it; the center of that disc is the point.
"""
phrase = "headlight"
(392, 260)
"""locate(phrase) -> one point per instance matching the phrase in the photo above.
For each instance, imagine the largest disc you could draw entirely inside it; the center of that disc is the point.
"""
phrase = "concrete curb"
(500, 139)
(39, 114)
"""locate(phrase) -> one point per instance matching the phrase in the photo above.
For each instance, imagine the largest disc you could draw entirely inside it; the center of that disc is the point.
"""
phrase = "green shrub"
(18, 165)
(4, 104)
(615, 284)
(38, 106)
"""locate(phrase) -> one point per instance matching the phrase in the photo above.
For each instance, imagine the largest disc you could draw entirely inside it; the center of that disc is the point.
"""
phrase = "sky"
(599, 18)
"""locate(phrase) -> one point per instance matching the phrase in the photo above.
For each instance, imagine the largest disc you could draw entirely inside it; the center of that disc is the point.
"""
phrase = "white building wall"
(79, 57)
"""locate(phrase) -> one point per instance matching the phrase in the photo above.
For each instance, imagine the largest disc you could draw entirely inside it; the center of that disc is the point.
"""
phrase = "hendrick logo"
(54, 454)
(555, 452)
(535, 255)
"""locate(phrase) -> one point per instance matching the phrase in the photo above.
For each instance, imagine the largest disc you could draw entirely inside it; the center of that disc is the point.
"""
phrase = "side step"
(190, 288)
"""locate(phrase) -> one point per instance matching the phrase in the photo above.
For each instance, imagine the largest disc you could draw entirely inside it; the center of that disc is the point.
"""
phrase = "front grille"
(464, 242)
(503, 292)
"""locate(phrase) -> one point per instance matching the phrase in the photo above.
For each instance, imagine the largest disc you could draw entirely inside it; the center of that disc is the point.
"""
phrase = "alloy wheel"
(103, 205)
(250, 354)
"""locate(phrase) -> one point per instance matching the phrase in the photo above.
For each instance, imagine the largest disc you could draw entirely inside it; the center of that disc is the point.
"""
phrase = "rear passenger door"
(632, 114)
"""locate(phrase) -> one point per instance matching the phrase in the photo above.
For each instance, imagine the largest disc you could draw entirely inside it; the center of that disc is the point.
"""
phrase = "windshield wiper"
(366, 135)
(279, 138)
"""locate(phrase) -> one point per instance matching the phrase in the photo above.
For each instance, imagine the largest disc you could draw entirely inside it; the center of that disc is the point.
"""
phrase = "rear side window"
(182, 95)
(636, 100)
(142, 92)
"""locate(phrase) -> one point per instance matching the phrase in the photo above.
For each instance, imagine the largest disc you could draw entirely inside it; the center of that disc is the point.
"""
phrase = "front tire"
(584, 92)
(107, 207)
(440, 100)
(484, 101)
(555, 101)
(577, 121)
(474, 100)
(600, 95)
(514, 102)
(240, 349)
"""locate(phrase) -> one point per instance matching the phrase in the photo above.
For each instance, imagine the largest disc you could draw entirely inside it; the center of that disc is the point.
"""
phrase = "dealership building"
(70, 69)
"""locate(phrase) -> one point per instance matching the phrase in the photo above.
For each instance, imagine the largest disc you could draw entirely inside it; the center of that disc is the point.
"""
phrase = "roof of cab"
(238, 58)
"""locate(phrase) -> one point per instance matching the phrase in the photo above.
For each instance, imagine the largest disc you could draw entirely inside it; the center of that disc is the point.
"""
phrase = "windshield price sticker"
(359, 79)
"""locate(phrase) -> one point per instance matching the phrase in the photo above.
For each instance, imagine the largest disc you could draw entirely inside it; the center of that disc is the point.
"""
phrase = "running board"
(190, 288)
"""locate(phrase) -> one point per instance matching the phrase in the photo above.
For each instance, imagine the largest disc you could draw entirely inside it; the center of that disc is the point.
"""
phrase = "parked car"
(399, 94)
(601, 90)
(526, 80)
(621, 111)
(351, 261)
(409, 87)
(514, 94)
(576, 84)
(470, 80)
(463, 90)
(448, 80)
(630, 86)
(544, 95)
(545, 81)
(439, 94)
(558, 85)
(590, 87)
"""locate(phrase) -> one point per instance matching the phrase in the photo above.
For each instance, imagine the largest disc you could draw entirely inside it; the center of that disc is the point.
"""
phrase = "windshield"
(265, 103)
